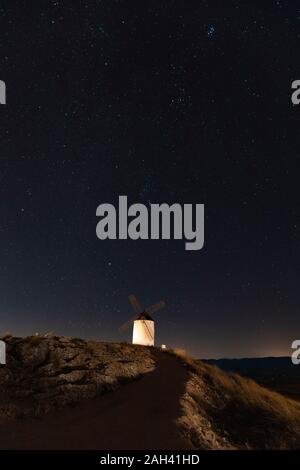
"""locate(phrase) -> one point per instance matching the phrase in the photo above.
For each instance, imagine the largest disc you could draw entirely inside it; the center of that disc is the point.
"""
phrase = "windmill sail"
(127, 324)
(135, 304)
(154, 308)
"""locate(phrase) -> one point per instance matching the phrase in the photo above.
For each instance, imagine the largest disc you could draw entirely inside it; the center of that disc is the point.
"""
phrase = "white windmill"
(143, 323)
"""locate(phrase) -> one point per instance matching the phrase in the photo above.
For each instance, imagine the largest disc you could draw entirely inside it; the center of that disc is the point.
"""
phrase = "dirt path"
(139, 415)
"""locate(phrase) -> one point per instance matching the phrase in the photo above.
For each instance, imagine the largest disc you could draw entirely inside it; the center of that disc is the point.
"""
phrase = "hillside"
(138, 414)
(177, 403)
(47, 372)
(277, 373)
(226, 411)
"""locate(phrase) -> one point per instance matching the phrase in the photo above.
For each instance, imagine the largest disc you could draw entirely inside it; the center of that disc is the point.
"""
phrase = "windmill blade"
(127, 324)
(155, 307)
(135, 303)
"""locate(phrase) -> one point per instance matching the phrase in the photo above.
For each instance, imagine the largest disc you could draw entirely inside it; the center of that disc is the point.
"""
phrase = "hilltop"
(176, 403)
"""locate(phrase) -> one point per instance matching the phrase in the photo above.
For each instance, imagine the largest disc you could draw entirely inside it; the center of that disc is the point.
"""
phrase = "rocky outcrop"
(46, 372)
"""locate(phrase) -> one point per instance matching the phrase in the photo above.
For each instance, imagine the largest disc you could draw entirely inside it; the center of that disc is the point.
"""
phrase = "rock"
(46, 372)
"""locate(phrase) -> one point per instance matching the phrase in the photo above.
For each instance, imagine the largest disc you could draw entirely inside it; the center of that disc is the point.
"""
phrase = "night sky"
(162, 101)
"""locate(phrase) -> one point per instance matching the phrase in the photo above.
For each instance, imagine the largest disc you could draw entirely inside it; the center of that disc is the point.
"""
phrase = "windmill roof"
(144, 316)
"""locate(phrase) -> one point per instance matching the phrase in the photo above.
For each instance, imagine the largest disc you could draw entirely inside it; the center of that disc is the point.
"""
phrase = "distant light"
(163, 346)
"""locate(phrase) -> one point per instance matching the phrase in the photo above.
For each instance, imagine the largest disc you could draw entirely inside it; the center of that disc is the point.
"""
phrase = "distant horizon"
(243, 358)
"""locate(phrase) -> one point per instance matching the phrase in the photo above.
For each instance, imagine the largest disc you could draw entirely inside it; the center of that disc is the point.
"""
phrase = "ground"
(139, 415)
(67, 393)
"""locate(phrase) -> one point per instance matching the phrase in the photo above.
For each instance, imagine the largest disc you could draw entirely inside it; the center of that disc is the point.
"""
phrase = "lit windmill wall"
(143, 332)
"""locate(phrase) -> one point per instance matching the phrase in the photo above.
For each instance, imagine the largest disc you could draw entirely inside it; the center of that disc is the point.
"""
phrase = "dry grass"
(228, 411)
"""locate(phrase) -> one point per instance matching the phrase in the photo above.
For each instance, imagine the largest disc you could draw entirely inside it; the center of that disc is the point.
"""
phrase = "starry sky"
(163, 101)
